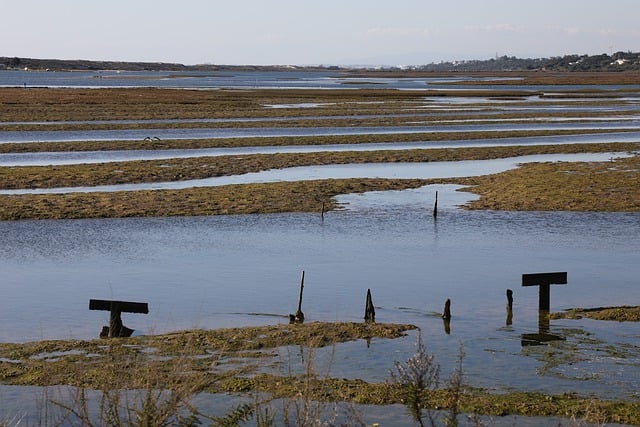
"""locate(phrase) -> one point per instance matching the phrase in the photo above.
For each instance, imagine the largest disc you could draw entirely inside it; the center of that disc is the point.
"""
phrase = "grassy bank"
(233, 360)
(184, 144)
(303, 196)
(603, 186)
(180, 169)
(612, 186)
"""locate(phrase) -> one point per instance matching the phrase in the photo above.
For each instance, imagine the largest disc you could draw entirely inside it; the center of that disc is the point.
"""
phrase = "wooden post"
(322, 212)
(435, 207)
(115, 323)
(509, 307)
(116, 328)
(446, 317)
(446, 314)
(369, 310)
(300, 297)
(299, 316)
(543, 281)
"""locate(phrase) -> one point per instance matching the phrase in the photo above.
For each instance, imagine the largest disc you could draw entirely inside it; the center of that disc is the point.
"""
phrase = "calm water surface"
(226, 271)
(212, 133)
(78, 157)
(297, 79)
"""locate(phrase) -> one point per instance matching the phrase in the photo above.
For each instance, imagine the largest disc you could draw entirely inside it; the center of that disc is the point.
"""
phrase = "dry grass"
(205, 167)
(28, 105)
(612, 186)
(280, 141)
(605, 186)
(304, 196)
(112, 363)
(618, 314)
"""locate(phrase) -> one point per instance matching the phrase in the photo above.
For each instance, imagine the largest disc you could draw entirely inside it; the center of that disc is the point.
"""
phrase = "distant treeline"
(619, 61)
(15, 63)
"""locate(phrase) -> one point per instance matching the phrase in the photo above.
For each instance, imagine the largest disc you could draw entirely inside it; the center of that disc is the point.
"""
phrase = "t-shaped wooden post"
(544, 280)
(116, 328)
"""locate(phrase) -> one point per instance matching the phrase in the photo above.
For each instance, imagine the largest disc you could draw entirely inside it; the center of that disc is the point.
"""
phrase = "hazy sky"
(301, 32)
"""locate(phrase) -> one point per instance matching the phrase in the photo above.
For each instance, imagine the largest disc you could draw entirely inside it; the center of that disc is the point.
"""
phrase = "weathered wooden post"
(446, 317)
(369, 310)
(509, 307)
(435, 207)
(322, 212)
(544, 281)
(446, 314)
(299, 316)
(116, 308)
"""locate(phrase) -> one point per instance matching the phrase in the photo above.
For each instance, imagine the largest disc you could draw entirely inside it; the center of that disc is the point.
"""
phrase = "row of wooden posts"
(542, 280)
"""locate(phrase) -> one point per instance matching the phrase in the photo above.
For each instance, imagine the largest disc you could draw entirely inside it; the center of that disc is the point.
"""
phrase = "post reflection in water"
(543, 336)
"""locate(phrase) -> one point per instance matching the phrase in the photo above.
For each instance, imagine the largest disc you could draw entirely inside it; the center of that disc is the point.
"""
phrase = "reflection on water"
(543, 335)
(208, 271)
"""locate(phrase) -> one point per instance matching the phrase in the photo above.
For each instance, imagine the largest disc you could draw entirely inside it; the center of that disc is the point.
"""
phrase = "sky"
(322, 32)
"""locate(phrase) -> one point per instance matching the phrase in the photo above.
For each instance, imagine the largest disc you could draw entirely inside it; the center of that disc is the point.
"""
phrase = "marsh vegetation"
(158, 376)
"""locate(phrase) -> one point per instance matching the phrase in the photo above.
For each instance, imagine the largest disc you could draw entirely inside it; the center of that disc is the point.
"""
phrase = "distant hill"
(619, 61)
(16, 63)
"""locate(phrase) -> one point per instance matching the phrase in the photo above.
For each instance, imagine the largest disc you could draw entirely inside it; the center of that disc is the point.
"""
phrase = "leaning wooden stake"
(369, 310)
(299, 316)
(435, 207)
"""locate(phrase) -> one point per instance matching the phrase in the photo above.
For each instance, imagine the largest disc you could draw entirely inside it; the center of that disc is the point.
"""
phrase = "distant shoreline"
(35, 64)
(618, 61)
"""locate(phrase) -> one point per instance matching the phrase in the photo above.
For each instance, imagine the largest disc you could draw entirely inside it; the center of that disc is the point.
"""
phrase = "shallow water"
(212, 133)
(245, 270)
(225, 271)
(81, 157)
(295, 79)
(426, 170)
(31, 408)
